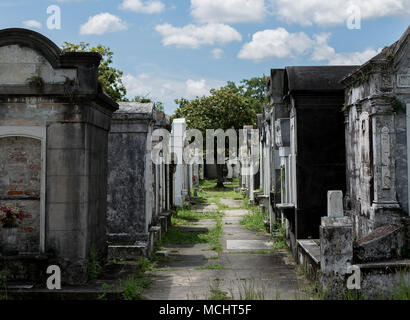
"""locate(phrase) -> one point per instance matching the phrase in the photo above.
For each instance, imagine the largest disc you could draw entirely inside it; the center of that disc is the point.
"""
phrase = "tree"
(223, 109)
(109, 77)
(254, 89)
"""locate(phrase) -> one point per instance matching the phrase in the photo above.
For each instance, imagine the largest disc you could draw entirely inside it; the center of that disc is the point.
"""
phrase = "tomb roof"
(136, 107)
(315, 78)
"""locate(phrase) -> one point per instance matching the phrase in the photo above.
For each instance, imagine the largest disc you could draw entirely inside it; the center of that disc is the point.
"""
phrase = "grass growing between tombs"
(255, 219)
(215, 266)
(187, 217)
(178, 235)
(239, 290)
(134, 283)
(208, 190)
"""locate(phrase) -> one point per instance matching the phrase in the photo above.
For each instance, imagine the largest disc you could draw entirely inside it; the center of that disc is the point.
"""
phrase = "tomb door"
(21, 176)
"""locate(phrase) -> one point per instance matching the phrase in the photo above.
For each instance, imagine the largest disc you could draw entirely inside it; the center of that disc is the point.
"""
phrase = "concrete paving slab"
(248, 244)
(231, 203)
(236, 213)
(206, 207)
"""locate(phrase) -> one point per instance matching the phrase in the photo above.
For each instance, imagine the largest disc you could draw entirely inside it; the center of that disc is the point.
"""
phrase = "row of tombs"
(334, 168)
(336, 128)
(76, 175)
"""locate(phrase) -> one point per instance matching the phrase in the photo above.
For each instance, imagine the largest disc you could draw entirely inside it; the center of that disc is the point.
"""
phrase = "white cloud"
(139, 6)
(323, 52)
(103, 23)
(32, 24)
(167, 88)
(308, 12)
(193, 36)
(217, 53)
(279, 43)
(196, 88)
(228, 11)
(275, 43)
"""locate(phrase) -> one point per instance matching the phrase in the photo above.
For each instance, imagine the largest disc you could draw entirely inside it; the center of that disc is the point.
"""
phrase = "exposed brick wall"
(20, 183)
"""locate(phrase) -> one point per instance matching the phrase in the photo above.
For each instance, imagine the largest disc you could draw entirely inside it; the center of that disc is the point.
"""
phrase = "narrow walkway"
(244, 266)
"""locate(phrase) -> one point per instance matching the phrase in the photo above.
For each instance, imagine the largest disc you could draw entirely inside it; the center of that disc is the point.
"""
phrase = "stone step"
(139, 250)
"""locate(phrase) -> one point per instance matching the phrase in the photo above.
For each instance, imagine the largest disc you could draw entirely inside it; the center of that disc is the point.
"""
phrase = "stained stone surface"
(248, 244)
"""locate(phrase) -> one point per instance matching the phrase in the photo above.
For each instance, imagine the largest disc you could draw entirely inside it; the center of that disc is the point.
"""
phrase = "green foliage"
(249, 291)
(109, 77)
(215, 266)
(185, 216)
(134, 286)
(210, 192)
(280, 241)
(36, 81)
(223, 109)
(94, 266)
(135, 283)
(216, 293)
(177, 235)
(253, 89)
(254, 220)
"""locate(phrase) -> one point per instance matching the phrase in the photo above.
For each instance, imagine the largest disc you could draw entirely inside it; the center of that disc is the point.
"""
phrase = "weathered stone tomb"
(54, 123)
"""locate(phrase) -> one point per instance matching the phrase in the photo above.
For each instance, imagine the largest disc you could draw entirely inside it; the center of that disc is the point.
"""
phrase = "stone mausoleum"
(54, 124)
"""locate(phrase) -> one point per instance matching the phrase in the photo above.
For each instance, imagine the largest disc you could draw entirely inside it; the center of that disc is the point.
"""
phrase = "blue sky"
(182, 48)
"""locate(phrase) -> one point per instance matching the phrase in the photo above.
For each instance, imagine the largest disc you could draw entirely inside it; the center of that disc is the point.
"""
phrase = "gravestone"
(177, 148)
(335, 204)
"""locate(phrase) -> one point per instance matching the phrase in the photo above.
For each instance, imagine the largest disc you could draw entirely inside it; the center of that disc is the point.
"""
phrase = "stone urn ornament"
(9, 219)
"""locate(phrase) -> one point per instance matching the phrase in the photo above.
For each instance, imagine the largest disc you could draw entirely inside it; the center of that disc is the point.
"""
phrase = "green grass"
(134, 286)
(247, 290)
(216, 293)
(177, 235)
(254, 220)
(187, 217)
(208, 190)
(215, 266)
(279, 242)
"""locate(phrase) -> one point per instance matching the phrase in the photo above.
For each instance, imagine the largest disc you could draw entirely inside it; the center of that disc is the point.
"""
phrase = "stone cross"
(335, 204)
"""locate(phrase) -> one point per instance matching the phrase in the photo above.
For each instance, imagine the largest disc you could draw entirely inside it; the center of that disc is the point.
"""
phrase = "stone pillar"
(201, 171)
(385, 203)
(336, 246)
(178, 134)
